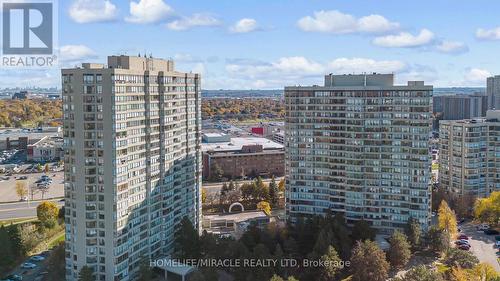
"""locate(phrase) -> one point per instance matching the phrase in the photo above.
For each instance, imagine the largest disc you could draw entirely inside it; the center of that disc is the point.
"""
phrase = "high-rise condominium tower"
(469, 155)
(359, 146)
(132, 162)
(493, 92)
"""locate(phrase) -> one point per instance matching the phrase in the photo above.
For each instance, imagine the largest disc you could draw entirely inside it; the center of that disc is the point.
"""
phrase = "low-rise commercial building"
(243, 157)
(234, 224)
(46, 150)
(14, 138)
(469, 160)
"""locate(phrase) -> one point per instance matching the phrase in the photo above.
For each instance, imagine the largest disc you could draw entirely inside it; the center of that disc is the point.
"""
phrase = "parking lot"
(482, 245)
(8, 186)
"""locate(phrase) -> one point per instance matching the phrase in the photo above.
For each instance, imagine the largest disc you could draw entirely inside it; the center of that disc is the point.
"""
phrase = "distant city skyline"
(272, 44)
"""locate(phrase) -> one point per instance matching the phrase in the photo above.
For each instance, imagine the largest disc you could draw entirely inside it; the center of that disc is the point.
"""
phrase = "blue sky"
(257, 44)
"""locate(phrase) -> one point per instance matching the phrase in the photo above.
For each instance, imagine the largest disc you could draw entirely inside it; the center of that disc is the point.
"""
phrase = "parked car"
(464, 247)
(463, 236)
(28, 265)
(37, 258)
(461, 242)
(14, 277)
(482, 227)
(497, 238)
(491, 232)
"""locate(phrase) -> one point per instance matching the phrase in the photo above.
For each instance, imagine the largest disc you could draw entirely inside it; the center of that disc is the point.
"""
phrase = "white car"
(37, 258)
(28, 265)
(482, 227)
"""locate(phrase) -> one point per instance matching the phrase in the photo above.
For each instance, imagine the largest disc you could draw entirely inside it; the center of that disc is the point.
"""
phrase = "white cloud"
(452, 47)
(488, 34)
(149, 11)
(195, 20)
(405, 40)
(360, 65)
(477, 76)
(336, 22)
(244, 26)
(71, 53)
(298, 69)
(85, 11)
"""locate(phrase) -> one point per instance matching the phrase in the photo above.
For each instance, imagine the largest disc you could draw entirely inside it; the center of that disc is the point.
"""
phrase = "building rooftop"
(15, 133)
(237, 144)
(237, 217)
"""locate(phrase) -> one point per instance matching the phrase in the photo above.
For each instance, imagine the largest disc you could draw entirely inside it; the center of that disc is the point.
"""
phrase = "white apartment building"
(132, 162)
(469, 160)
(359, 146)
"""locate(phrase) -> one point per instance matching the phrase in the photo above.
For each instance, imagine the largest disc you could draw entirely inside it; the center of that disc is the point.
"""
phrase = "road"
(482, 245)
(22, 209)
(214, 188)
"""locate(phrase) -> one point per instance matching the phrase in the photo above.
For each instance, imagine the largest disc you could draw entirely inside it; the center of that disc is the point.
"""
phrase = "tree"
(459, 274)
(46, 169)
(14, 233)
(246, 191)
(56, 263)
(399, 252)
(186, 241)
(223, 191)
(273, 193)
(460, 258)
(145, 272)
(261, 191)
(420, 273)
(332, 262)
(278, 278)
(265, 207)
(362, 231)
(368, 262)
(437, 240)
(203, 195)
(21, 189)
(47, 213)
(484, 271)
(6, 252)
(488, 209)
(413, 232)
(216, 172)
(281, 185)
(86, 274)
(39, 167)
(447, 221)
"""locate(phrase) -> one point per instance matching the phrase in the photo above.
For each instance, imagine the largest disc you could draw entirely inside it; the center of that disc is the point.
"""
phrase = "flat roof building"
(469, 155)
(244, 157)
(359, 146)
(132, 135)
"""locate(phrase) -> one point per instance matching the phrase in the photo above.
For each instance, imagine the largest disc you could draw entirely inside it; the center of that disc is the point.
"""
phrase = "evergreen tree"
(145, 272)
(363, 231)
(6, 253)
(86, 274)
(273, 193)
(399, 252)
(186, 241)
(56, 263)
(15, 239)
(332, 261)
(368, 262)
(413, 232)
(437, 240)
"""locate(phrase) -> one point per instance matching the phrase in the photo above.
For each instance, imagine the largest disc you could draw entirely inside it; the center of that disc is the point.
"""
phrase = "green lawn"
(57, 240)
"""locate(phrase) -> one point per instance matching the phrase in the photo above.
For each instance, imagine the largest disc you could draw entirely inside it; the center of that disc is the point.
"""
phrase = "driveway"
(482, 245)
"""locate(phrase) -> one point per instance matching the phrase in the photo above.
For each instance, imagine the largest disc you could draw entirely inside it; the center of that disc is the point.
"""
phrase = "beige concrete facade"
(132, 162)
(469, 155)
